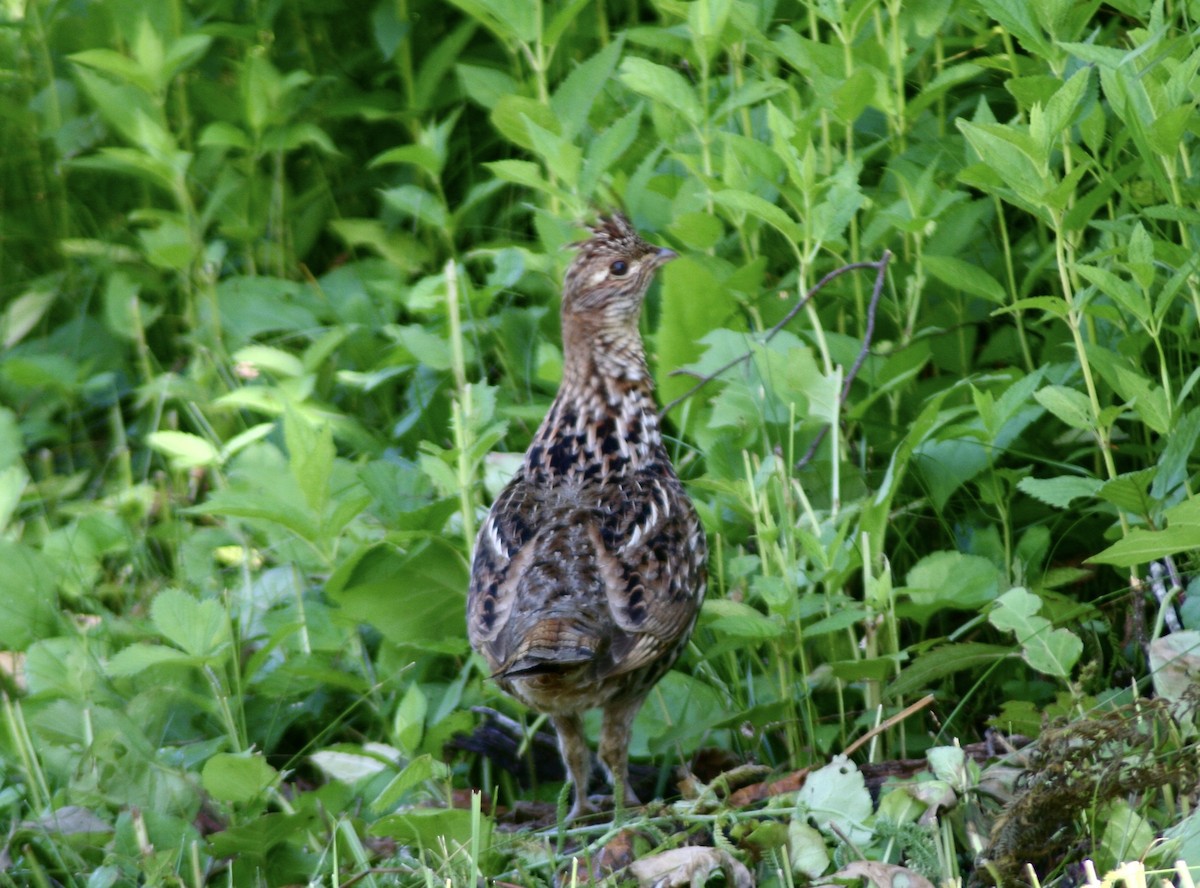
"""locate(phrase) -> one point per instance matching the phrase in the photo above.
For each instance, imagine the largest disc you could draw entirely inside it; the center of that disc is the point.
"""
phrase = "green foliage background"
(279, 289)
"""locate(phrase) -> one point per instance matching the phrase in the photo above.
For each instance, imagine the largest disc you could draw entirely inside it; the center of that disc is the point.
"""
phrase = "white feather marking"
(494, 538)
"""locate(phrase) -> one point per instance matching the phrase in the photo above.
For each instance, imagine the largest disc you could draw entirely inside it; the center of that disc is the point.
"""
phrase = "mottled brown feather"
(590, 568)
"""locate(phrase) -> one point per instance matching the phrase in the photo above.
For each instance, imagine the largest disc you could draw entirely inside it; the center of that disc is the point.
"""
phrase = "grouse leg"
(614, 747)
(577, 757)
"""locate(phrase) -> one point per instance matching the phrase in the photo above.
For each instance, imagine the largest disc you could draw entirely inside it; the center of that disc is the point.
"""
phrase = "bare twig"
(881, 271)
(868, 335)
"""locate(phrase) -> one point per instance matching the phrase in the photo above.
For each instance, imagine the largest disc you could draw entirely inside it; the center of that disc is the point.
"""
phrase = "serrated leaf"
(662, 85)
(942, 661)
(1068, 404)
(1130, 492)
(1060, 492)
(199, 628)
(1142, 546)
(757, 208)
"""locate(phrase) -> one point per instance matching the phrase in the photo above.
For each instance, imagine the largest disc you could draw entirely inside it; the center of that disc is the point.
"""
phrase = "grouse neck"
(603, 421)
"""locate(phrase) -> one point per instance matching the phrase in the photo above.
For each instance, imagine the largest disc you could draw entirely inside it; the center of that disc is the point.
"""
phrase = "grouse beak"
(665, 255)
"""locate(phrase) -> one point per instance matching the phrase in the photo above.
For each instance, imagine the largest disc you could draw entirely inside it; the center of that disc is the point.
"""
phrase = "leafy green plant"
(278, 306)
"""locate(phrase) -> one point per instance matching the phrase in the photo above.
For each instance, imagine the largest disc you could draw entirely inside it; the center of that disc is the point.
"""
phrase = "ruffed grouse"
(590, 569)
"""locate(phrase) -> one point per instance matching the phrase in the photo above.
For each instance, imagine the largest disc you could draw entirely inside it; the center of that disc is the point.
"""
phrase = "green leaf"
(1142, 546)
(24, 313)
(1127, 295)
(573, 100)
(694, 303)
(1011, 154)
(1060, 492)
(416, 599)
(662, 85)
(184, 449)
(199, 628)
(1067, 404)
(116, 65)
(951, 579)
(239, 778)
(142, 656)
(754, 206)
(607, 148)
(837, 795)
(965, 276)
(942, 661)
(421, 769)
(485, 86)
(408, 724)
(739, 620)
(1130, 492)
(1051, 651)
(28, 597)
(310, 458)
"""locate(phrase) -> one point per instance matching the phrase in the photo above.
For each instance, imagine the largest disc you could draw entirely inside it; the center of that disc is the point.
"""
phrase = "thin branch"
(881, 269)
(868, 335)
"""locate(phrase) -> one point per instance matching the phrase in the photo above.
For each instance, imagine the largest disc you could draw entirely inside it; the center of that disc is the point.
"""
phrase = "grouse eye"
(619, 268)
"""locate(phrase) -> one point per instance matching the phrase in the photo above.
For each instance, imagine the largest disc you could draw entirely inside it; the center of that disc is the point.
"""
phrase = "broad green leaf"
(254, 839)
(1051, 651)
(755, 207)
(419, 204)
(485, 86)
(1127, 295)
(421, 769)
(1060, 492)
(694, 304)
(739, 620)
(264, 357)
(184, 449)
(806, 850)
(239, 778)
(1142, 546)
(662, 85)
(1126, 835)
(1067, 404)
(836, 795)
(511, 116)
(28, 596)
(1011, 155)
(572, 101)
(23, 314)
(13, 480)
(310, 458)
(199, 628)
(417, 599)
(118, 66)
(969, 278)
(607, 148)
(951, 579)
(1130, 492)
(142, 656)
(408, 724)
(945, 660)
